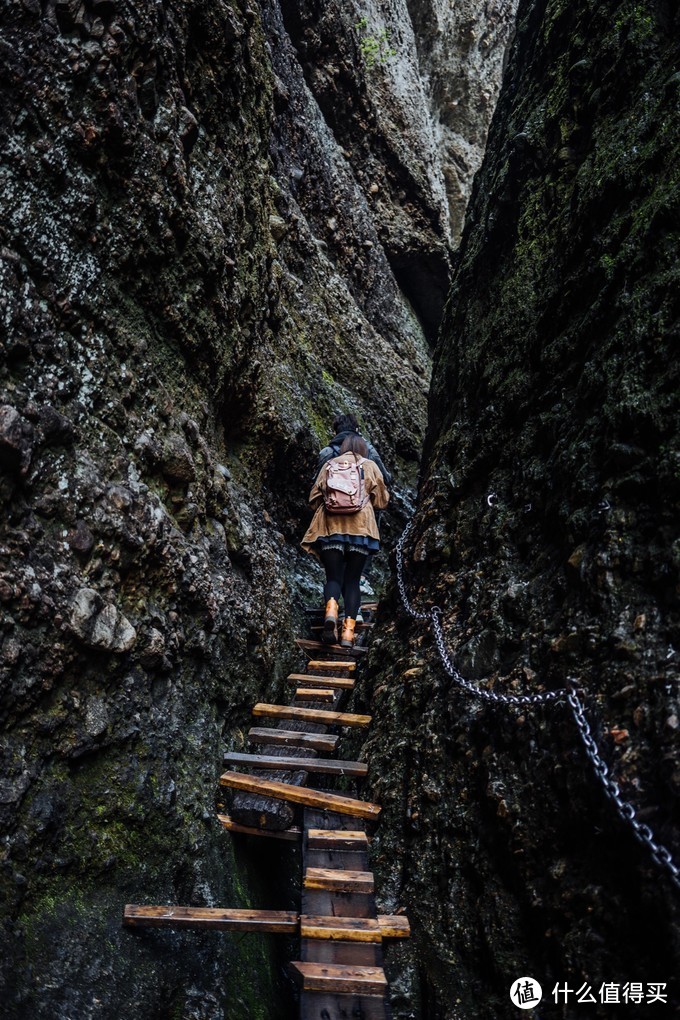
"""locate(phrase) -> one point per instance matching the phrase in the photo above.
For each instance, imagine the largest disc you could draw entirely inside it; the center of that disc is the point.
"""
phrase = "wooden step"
(332, 665)
(217, 918)
(292, 835)
(355, 929)
(315, 694)
(339, 880)
(321, 765)
(340, 683)
(340, 929)
(310, 647)
(341, 979)
(301, 795)
(394, 926)
(315, 715)
(325, 742)
(337, 839)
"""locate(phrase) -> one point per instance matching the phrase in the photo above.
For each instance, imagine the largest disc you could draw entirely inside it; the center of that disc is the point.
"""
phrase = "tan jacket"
(361, 523)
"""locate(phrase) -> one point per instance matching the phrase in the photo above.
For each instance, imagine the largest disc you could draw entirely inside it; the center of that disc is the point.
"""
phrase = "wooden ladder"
(340, 971)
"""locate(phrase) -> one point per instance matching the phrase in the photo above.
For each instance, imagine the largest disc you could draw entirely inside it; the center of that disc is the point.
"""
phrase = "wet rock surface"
(547, 532)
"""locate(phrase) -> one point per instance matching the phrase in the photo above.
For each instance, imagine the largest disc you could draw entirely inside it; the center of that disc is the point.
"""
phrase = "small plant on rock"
(375, 48)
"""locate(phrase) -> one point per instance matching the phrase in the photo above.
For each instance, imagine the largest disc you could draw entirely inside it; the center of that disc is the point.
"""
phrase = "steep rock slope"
(198, 266)
(547, 532)
(461, 53)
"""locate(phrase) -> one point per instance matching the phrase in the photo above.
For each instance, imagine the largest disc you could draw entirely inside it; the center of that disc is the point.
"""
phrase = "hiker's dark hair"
(345, 423)
(355, 444)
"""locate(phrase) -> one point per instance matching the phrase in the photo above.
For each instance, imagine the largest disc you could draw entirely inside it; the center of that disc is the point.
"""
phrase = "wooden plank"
(321, 765)
(340, 683)
(315, 694)
(355, 929)
(310, 647)
(317, 715)
(318, 902)
(348, 929)
(217, 918)
(332, 665)
(319, 1005)
(394, 926)
(336, 839)
(265, 812)
(301, 795)
(349, 980)
(339, 880)
(292, 835)
(315, 741)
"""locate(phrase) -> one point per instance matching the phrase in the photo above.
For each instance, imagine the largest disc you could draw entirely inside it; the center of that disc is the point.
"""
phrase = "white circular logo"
(525, 992)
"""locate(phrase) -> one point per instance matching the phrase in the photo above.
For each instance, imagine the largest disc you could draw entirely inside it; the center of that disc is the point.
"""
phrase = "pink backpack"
(345, 491)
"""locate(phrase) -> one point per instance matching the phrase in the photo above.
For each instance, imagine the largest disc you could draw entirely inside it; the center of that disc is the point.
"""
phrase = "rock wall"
(221, 223)
(547, 532)
(462, 49)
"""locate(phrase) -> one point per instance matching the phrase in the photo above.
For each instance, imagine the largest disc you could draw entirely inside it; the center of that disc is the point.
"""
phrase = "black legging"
(343, 575)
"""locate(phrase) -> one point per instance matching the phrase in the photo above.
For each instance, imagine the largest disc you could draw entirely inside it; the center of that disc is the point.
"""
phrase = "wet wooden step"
(315, 694)
(321, 765)
(342, 929)
(217, 918)
(340, 683)
(355, 929)
(337, 839)
(319, 799)
(347, 980)
(311, 647)
(339, 880)
(315, 715)
(394, 926)
(291, 835)
(325, 742)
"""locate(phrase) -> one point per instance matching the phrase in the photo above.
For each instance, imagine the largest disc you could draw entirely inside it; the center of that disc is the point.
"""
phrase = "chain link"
(400, 575)
(660, 855)
(611, 788)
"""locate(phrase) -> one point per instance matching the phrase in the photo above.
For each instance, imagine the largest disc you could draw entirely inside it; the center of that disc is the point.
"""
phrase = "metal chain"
(434, 614)
(660, 855)
(625, 810)
(400, 575)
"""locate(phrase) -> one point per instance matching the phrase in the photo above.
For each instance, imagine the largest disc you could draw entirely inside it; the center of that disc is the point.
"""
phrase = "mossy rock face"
(549, 507)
